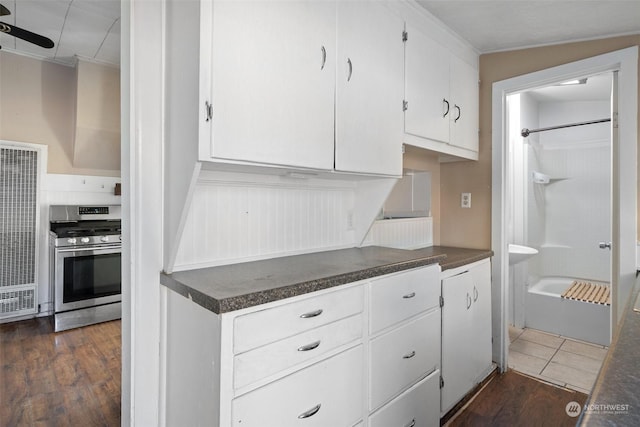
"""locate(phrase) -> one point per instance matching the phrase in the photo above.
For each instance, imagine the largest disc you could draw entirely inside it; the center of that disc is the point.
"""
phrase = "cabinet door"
(457, 337)
(419, 406)
(273, 82)
(427, 88)
(328, 393)
(369, 89)
(464, 110)
(481, 312)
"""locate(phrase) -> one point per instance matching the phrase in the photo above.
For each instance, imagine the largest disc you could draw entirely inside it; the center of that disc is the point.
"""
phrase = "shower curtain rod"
(525, 132)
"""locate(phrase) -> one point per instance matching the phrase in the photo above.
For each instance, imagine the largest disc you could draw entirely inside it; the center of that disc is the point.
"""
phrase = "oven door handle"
(100, 249)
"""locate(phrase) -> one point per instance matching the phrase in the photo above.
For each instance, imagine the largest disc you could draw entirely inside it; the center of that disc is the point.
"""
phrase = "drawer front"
(328, 393)
(272, 324)
(417, 407)
(402, 356)
(272, 358)
(403, 295)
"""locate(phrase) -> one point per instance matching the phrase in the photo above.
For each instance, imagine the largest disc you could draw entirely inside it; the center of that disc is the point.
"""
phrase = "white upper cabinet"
(427, 88)
(369, 89)
(273, 82)
(464, 115)
(441, 91)
(304, 84)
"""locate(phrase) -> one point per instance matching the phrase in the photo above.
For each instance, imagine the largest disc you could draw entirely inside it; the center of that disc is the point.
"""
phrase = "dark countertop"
(618, 383)
(233, 287)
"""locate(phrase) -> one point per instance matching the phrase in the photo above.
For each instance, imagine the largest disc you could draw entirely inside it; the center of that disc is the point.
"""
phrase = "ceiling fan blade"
(26, 35)
(4, 11)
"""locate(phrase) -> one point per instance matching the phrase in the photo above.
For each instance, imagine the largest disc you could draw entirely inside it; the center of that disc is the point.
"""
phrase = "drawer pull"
(310, 413)
(407, 296)
(309, 346)
(310, 314)
(411, 424)
(409, 355)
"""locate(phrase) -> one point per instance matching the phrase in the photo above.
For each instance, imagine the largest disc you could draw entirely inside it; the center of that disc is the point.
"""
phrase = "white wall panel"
(405, 233)
(244, 218)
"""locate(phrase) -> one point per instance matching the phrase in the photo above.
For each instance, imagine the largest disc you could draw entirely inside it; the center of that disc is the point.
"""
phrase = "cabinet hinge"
(441, 301)
(405, 105)
(615, 119)
(441, 382)
(405, 36)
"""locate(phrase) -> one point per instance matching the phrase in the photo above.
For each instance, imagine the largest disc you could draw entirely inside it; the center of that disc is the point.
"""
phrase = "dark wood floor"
(69, 378)
(512, 399)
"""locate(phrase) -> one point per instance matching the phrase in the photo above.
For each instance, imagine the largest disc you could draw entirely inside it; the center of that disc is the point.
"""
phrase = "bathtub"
(547, 311)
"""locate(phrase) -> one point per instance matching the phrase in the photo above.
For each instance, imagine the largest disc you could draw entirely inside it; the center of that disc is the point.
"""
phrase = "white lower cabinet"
(466, 330)
(328, 393)
(417, 407)
(310, 360)
(402, 356)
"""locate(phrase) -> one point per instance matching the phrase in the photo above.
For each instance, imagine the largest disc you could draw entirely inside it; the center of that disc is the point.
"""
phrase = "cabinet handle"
(409, 355)
(350, 69)
(308, 347)
(315, 313)
(208, 111)
(407, 296)
(447, 103)
(475, 294)
(459, 113)
(411, 424)
(468, 301)
(324, 57)
(311, 412)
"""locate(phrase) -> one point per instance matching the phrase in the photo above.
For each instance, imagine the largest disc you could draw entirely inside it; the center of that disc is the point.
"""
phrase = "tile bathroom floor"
(553, 358)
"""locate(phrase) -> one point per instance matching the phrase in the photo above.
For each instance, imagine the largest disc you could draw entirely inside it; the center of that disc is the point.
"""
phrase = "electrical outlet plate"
(465, 200)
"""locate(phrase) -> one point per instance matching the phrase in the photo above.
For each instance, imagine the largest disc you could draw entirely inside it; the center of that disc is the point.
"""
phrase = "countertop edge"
(251, 299)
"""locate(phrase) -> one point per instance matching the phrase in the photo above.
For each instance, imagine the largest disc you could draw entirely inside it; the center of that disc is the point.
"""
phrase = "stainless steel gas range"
(86, 278)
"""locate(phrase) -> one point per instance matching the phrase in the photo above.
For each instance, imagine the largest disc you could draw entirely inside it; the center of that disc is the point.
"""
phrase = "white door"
(457, 339)
(273, 82)
(465, 105)
(427, 87)
(481, 320)
(369, 89)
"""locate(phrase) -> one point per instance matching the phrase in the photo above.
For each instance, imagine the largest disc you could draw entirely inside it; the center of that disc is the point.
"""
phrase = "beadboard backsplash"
(402, 233)
(237, 220)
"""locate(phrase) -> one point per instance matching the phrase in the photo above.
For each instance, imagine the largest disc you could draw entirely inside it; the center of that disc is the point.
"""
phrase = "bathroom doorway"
(559, 185)
(624, 192)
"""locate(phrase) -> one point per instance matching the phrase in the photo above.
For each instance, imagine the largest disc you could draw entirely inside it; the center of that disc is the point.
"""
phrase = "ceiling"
(86, 28)
(91, 28)
(492, 26)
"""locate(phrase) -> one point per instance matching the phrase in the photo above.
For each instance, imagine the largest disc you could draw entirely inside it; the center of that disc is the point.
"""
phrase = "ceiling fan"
(23, 34)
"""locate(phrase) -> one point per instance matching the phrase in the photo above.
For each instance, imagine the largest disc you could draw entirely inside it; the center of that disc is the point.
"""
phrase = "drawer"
(419, 406)
(272, 324)
(403, 295)
(328, 393)
(401, 357)
(272, 358)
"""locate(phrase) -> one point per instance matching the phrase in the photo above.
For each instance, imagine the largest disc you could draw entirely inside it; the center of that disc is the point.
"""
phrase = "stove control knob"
(104, 239)
(71, 241)
(85, 240)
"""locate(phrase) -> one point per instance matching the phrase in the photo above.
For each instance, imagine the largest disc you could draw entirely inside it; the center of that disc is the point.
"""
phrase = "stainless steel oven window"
(87, 277)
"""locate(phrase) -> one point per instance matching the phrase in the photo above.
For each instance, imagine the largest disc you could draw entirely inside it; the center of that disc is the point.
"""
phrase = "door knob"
(604, 245)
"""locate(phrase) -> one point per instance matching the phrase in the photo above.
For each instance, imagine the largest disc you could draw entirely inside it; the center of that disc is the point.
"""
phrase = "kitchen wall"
(37, 105)
(417, 159)
(472, 227)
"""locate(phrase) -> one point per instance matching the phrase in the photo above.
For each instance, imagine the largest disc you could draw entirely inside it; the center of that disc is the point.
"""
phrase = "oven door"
(86, 277)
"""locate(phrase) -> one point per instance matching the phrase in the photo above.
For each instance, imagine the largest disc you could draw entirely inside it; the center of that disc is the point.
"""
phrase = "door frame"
(624, 192)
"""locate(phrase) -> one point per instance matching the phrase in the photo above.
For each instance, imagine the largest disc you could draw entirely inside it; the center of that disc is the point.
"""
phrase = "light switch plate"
(465, 200)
